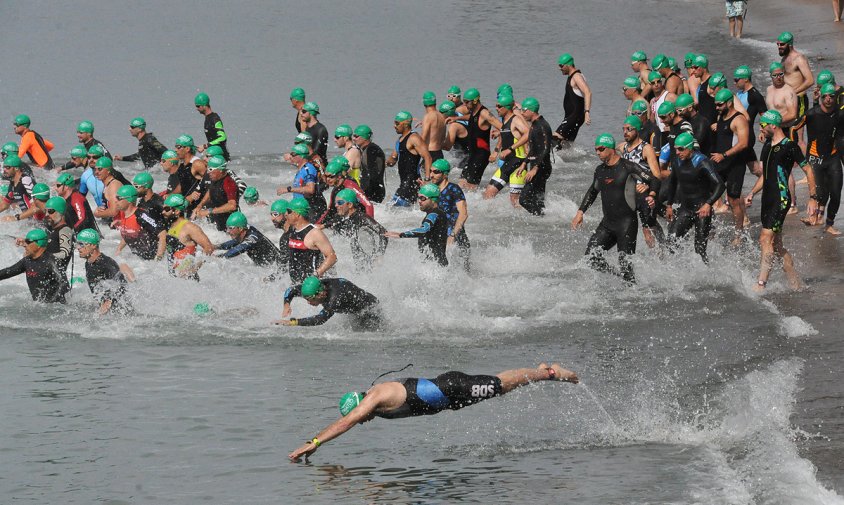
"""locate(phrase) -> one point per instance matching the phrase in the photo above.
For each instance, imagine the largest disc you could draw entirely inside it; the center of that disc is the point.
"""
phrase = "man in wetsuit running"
(701, 127)
(221, 198)
(433, 126)
(278, 216)
(576, 102)
(368, 242)
(532, 197)
(696, 184)
(615, 180)
(20, 186)
(141, 231)
(33, 144)
(825, 122)
(317, 130)
(418, 396)
(102, 171)
(705, 101)
(305, 183)
(372, 162)
(60, 244)
(104, 277)
(85, 134)
(453, 202)
(310, 251)
(352, 153)
(456, 136)
(732, 138)
(410, 150)
(79, 214)
(336, 176)
(754, 103)
(779, 154)
(245, 238)
(149, 148)
(336, 296)
(433, 233)
(215, 135)
(148, 199)
(46, 281)
(512, 149)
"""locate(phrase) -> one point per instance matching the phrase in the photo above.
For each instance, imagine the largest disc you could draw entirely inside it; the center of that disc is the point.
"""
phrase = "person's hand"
(281, 190)
(531, 174)
(641, 187)
(588, 118)
(816, 94)
(705, 210)
(192, 197)
(577, 221)
(20, 242)
(717, 157)
(812, 207)
(748, 200)
(8, 219)
(449, 242)
(306, 450)
(714, 126)
(392, 234)
(650, 201)
(669, 213)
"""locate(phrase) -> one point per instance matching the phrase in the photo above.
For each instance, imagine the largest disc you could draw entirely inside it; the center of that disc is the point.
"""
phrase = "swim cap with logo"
(565, 59)
(22, 120)
(213, 151)
(344, 130)
(448, 108)
(824, 77)
(236, 219)
(347, 195)
(201, 100)
(300, 206)
(280, 206)
(66, 180)
(104, 162)
(471, 94)
(349, 401)
(786, 38)
(217, 163)
(143, 179)
(138, 122)
(689, 59)
(88, 236)
(654, 76)
(723, 96)
(672, 64)
(717, 80)
(771, 117)
(454, 90)
(85, 127)
(632, 82)
(742, 72)
(128, 193)
(311, 107)
(684, 101)
(176, 201)
(363, 131)
(78, 151)
(39, 236)
(429, 98)
(311, 286)
(12, 148)
(530, 103)
(303, 138)
(660, 61)
(334, 168)
(12, 160)
(605, 140)
(185, 141)
(828, 89)
(169, 155)
(41, 192)
(297, 94)
(431, 191)
(684, 140)
(403, 116)
(57, 204)
(775, 66)
(342, 161)
(633, 121)
(96, 151)
(665, 108)
(441, 165)
(638, 56)
(250, 194)
(701, 60)
(639, 106)
(300, 150)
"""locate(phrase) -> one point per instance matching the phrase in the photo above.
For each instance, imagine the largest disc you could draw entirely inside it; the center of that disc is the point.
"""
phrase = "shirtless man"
(798, 75)
(782, 98)
(343, 140)
(433, 126)
(692, 80)
(639, 64)
(632, 90)
(102, 171)
(672, 82)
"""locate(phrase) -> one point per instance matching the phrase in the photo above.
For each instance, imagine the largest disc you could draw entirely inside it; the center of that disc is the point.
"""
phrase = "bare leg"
(792, 189)
(464, 184)
(512, 379)
(732, 27)
(766, 242)
(739, 26)
(737, 205)
(836, 6)
(514, 200)
(787, 263)
(649, 237)
(490, 192)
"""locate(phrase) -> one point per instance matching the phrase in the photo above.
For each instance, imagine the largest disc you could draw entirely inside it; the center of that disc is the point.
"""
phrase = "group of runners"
(688, 141)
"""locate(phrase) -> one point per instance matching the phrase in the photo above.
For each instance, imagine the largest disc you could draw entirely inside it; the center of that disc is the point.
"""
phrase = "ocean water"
(694, 389)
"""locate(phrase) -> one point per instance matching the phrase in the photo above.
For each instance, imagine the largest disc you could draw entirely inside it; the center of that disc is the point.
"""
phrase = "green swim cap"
(828, 89)
(824, 77)
(441, 165)
(638, 56)
(683, 101)
(363, 131)
(742, 72)
(429, 98)
(471, 94)
(530, 103)
(22, 120)
(300, 206)
(66, 180)
(639, 106)
(723, 96)
(506, 101)
(201, 99)
(12, 160)
(605, 140)
(717, 80)
(185, 141)
(143, 179)
(505, 89)
(12, 148)
(431, 191)
(304, 138)
(565, 59)
(41, 192)
(104, 163)
(311, 286)
(85, 127)
(349, 401)
(689, 59)
(128, 193)
(39, 236)
(632, 82)
(701, 60)
(347, 195)
(297, 94)
(280, 206)
(250, 194)
(654, 76)
(311, 107)
(660, 61)
(343, 130)
(342, 162)
(771, 117)
(666, 108)
(78, 151)
(217, 163)
(57, 204)
(213, 151)
(447, 108)
(236, 219)
(138, 122)
(169, 155)
(334, 168)
(96, 151)
(300, 150)
(403, 116)
(786, 38)
(454, 90)
(202, 309)
(684, 140)
(88, 236)
(633, 121)
(176, 201)
(775, 66)
(672, 64)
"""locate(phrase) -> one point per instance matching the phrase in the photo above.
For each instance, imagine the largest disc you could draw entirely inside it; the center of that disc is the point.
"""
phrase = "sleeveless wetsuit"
(408, 168)
(451, 390)
(302, 261)
(574, 107)
(646, 213)
(732, 168)
(706, 103)
(478, 141)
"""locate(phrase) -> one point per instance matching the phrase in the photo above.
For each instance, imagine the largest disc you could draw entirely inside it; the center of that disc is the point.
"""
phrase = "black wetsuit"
(695, 182)
(702, 131)
(822, 128)
(451, 390)
(777, 162)
(706, 103)
(215, 134)
(114, 171)
(79, 214)
(46, 282)
(732, 168)
(372, 163)
(450, 197)
(478, 141)
(668, 138)
(532, 198)
(154, 205)
(650, 134)
(302, 261)
(219, 194)
(60, 245)
(106, 282)
(343, 298)
(319, 134)
(367, 238)
(460, 149)
(574, 108)
(755, 105)
(432, 235)
(149, 151)
(617, 186)
(408, 167)
(257, 246)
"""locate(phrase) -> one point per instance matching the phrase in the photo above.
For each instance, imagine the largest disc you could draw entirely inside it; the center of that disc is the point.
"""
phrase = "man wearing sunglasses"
(85, 135)
(352, 153)
(478, 123)
(147, 198)
(143, 233)
(192, 169)
(36, 210)
(278, 216)
(367, 238)
(781, 97)
(221, 198)
(182, 239)
(372, 163)
(577, 101)
(310, 251)
(823, 122)
(78, 159)
(410, 154)
(246, 239)
(306, 182)
(106, 280)
(649, 132)
(754, 103)
(640, 152)
(701, 127)
(45, 280)
(661, 95)
(704, 99)
(149, 148)
(336, 176)
(798, 75)
(215, 134)
(78, 213)
(102, 170)
(732, 138)
(20, 186)
(317, 130)
(675, 125)
(32, 144)
(433, 233)
(532, 198)
(615, 180)
(60, 243)
(631, 88)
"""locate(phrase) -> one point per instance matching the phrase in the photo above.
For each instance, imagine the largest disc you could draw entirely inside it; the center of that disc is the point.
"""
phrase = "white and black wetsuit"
(343, 298)
(451, 390)
(367, 238)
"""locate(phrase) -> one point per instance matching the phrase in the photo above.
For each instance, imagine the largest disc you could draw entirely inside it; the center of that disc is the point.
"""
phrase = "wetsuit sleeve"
(77, 201)
(539, 146)
(755, 106)
(16, 269)
(157, 146)
(715, 181)
(364, 202)
(132, 157)
(670, 189)
(219, 132)
(236, 249)
(797, 154)
(665, 154)
(321, 318)
(427, 224)
(591, 194)
(292, 292)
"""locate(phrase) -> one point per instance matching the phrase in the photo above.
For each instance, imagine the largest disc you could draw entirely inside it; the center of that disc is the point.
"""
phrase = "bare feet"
(792, 210)
(736, 241)
(758, 288)
(560, 373)
(721, 208)
(811, 221)
(832, 231)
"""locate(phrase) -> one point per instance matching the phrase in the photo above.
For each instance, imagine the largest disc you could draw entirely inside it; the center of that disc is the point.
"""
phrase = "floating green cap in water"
(202, 309)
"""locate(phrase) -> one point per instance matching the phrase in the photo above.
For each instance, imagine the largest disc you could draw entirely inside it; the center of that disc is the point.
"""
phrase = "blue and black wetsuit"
(343, 298)
(257, 246)
(432, 235)
(450, 196)
(451, 390)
